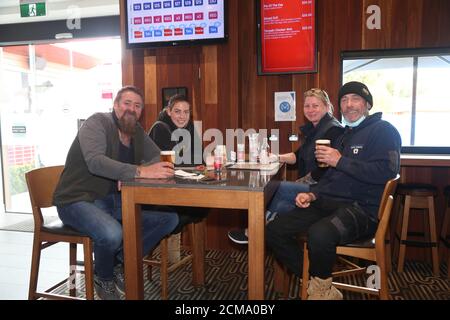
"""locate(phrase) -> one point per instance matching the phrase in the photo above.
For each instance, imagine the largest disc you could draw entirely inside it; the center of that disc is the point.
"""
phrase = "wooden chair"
(196, 233)
(41, 185)
(376, 249)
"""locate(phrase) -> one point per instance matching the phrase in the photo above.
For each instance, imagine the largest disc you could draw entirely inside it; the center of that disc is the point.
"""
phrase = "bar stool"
(445, 232)
(417, 196)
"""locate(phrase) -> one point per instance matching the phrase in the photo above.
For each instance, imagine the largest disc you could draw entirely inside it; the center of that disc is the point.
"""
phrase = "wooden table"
(235, 189)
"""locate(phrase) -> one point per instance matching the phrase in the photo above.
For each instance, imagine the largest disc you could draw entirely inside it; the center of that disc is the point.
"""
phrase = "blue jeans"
(284, 198)
(101, 221)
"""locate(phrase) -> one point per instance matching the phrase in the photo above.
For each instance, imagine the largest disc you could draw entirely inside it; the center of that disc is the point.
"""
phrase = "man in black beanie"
(343, 206)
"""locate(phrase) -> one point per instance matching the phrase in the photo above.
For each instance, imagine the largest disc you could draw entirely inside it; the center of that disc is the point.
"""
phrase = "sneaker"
(119, 278)
(238, 236)
(105, 289)
(270, 216)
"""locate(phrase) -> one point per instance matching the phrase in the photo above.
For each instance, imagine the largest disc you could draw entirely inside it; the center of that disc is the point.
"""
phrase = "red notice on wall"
(287, 36)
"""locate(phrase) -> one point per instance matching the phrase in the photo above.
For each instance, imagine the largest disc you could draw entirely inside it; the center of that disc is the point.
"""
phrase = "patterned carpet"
(226, 279)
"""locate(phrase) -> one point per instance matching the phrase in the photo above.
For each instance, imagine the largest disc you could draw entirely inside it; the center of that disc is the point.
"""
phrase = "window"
(46, 92)
(410, 87)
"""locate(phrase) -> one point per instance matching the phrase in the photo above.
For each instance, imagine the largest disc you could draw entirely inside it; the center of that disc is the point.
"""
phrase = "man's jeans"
(101, 221)
(284, 198)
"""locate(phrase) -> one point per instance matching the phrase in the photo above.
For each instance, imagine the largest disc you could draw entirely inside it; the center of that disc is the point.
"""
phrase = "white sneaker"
(238, 236)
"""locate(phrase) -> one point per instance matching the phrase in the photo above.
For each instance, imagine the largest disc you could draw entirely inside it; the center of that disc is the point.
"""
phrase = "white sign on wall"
(285, 106)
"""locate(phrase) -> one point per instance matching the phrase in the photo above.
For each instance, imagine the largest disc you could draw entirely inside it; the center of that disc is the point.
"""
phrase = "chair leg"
(88, 269)
(394, 224)
(443, 235)
(445, 223)
(404, 234)
(384, 288)
(35, 261)
(281, 279)
(73, 268)
(381, 254)
(397, 227)
(448, 264)
(444, 230)
(433, 236)
(305, 275)
(164, 268)
(149, 267)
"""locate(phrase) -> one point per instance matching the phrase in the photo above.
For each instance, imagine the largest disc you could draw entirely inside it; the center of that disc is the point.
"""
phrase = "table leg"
(132, 246)
(256, 252)
(198, 251)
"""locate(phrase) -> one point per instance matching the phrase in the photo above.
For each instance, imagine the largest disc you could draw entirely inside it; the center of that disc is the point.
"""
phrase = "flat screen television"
(174, 22)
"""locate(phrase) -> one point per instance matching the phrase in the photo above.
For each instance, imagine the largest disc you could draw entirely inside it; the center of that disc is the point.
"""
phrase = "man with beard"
(111, 147)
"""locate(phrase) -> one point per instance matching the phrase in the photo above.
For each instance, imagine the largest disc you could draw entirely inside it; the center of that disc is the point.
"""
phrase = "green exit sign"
(32, 9)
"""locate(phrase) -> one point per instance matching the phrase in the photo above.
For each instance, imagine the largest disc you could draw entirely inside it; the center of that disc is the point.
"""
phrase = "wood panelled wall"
(226, 91)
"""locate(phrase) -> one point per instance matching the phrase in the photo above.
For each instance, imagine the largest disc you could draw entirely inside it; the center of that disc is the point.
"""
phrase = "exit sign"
(32, 8)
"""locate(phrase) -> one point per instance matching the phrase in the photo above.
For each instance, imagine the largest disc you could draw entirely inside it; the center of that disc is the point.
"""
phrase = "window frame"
(414, 53)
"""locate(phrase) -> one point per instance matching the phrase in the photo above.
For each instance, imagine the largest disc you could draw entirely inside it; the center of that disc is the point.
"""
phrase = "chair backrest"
(383, 224)
(41, 185)
(389, 190)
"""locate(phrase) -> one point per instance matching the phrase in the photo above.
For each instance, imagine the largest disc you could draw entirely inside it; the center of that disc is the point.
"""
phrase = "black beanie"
(358, 88)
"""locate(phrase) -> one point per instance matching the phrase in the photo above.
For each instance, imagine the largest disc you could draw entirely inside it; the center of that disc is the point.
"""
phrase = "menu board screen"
(174, 22)
(286, 36)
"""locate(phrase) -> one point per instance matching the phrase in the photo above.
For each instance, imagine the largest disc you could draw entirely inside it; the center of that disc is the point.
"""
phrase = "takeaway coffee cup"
(168, 156)
(322, 142)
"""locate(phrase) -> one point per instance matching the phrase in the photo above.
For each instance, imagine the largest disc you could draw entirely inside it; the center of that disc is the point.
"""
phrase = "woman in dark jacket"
(174, 130)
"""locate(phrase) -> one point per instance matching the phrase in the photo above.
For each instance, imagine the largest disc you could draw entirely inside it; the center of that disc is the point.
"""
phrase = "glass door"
(46, 92)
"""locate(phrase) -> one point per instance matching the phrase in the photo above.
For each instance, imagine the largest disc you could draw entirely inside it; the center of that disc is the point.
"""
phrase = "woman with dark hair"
(174, 124)
(174, 130)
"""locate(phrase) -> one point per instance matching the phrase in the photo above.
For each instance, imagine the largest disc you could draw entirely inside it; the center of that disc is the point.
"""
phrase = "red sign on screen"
(287, 36)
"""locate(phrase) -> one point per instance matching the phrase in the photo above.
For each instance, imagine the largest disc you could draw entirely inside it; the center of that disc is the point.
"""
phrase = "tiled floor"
(15, 261)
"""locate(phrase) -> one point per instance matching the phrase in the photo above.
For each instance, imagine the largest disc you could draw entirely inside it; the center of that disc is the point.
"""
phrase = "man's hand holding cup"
(325, 155)
(159, 170)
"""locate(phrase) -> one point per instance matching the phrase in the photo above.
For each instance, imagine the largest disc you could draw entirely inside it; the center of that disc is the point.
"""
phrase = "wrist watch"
(138, 172)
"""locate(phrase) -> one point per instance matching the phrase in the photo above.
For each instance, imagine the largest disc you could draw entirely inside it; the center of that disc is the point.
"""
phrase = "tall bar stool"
(445, 232)
(417, 196)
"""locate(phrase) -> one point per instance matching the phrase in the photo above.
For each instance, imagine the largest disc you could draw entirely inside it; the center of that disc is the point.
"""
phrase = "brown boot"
(322, 289)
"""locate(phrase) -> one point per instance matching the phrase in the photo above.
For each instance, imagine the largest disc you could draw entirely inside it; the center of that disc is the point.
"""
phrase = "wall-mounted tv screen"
(174, 22)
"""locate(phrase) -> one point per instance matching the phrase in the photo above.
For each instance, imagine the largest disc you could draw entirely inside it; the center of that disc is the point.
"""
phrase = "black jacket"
(161, 133)
(370, 157)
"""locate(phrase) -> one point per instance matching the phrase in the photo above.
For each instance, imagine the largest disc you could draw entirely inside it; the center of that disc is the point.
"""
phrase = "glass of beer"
(168, 156)
(322, 142)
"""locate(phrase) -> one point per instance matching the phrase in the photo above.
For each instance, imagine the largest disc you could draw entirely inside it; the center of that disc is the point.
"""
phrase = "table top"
(227, 179)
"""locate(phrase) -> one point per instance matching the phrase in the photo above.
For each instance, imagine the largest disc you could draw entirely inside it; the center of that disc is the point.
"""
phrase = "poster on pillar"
(285, 106)
(286, 36)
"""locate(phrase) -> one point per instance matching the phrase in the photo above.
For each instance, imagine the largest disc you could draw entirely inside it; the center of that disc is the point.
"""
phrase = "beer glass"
(168, 156)
(323, 142)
